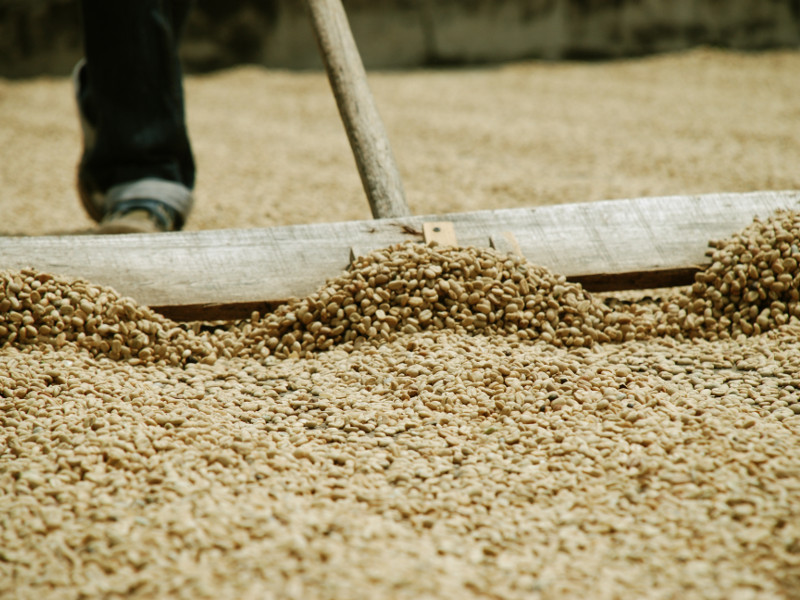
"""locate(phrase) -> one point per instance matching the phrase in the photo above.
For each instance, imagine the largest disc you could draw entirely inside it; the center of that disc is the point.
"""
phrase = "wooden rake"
(227, 274)
(363, 124)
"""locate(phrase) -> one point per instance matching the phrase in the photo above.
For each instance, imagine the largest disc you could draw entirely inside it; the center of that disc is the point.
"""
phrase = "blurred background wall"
(43, 36)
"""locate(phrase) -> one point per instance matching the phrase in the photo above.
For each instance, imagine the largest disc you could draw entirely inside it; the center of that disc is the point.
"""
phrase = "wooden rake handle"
(363, 124)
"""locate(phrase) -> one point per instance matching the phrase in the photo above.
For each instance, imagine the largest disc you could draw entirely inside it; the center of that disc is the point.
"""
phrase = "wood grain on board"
(610, 245)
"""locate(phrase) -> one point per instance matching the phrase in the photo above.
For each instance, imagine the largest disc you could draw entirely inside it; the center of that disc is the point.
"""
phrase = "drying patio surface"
(435, 422)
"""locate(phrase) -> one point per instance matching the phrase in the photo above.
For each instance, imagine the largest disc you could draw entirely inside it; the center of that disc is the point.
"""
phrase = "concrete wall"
(43, 36)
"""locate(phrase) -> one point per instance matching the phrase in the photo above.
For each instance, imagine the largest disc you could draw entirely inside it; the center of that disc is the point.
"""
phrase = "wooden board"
(620, 244)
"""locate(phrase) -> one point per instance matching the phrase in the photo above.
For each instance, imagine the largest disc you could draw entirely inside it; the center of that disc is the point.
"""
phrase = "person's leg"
(130, 95)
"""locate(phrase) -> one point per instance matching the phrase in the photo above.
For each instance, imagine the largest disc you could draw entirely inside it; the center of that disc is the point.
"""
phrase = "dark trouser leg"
(131, 96)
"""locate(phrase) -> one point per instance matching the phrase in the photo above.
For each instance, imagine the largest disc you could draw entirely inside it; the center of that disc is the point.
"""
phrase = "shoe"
(164, 204)
(139, 216)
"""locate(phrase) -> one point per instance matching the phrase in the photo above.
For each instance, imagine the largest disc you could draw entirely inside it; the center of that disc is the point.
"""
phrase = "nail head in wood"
(441, 232)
